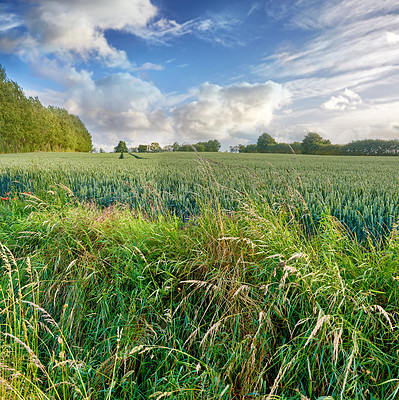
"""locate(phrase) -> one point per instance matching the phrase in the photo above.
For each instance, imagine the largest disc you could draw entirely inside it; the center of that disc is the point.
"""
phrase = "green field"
(234, 276)
(361, 192)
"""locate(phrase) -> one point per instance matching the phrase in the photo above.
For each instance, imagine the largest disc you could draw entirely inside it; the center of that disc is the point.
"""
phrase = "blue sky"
(182, 70)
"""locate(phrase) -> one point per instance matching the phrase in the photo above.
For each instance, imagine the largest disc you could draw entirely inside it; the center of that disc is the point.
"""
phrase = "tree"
(312, 143)
(369, 147)
(121, 147)
(185, 147)
(251, 148)
(155, 147)
(175, 146)
(143, 148)
(25, 125)
(168, 147)
(241, 148)
(265, 140)
(212, 145)
(199, 147)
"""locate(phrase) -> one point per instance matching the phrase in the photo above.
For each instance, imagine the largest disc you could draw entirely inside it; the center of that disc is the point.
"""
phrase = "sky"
(162, 71)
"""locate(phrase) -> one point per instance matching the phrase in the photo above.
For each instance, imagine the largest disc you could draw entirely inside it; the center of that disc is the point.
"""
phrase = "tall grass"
(106, 303)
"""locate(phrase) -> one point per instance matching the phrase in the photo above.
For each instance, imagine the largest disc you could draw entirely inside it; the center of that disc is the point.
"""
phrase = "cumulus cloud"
(119, 92)
(349, 100)
(369, 122)
(239, 110)
(78, 27)
(119, 107)
(124, 107)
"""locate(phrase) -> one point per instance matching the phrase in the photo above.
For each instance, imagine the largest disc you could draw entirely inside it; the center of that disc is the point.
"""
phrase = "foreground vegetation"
(122, 301)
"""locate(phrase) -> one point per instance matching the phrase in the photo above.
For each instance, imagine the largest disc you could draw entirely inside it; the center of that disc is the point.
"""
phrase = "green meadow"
(220, 276)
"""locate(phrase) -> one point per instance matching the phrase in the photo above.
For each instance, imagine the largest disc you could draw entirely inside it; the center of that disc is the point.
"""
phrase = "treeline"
(210, 145)
(26, 125)
(313, 143)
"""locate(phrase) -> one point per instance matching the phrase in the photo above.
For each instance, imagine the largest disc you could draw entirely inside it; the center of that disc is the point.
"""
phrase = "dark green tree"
(175, 146)
(199, 147)
(212, 145)
(186, 147)
(25, 125)
(142, 148)
(251, 148)
(241, 148)
(264, 142)
(312, 142)
(121, 147)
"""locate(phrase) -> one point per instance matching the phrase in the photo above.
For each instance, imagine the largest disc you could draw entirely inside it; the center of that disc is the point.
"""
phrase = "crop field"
(223, 277)
(361, 192)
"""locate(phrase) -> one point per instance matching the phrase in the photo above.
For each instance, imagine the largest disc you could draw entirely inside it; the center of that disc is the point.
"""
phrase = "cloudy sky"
(185, 70)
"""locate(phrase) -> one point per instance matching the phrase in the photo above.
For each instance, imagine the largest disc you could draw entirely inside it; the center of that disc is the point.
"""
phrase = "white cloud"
(349, 100)
(239, 110)
(9, 21)
(219, 29)
(351, 47)
(76, 27)
(124, 107)
(149, 66)
(392, 38)
(328, 14)
(118, 107)
(370, 121)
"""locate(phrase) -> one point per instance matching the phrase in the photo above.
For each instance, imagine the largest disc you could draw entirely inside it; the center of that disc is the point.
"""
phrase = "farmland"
(361, 192)
(234, 276)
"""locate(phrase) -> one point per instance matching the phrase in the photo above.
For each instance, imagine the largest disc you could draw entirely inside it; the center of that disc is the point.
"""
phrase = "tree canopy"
(26, 125)
(264, 141)
(311, 142)
(121, 147)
